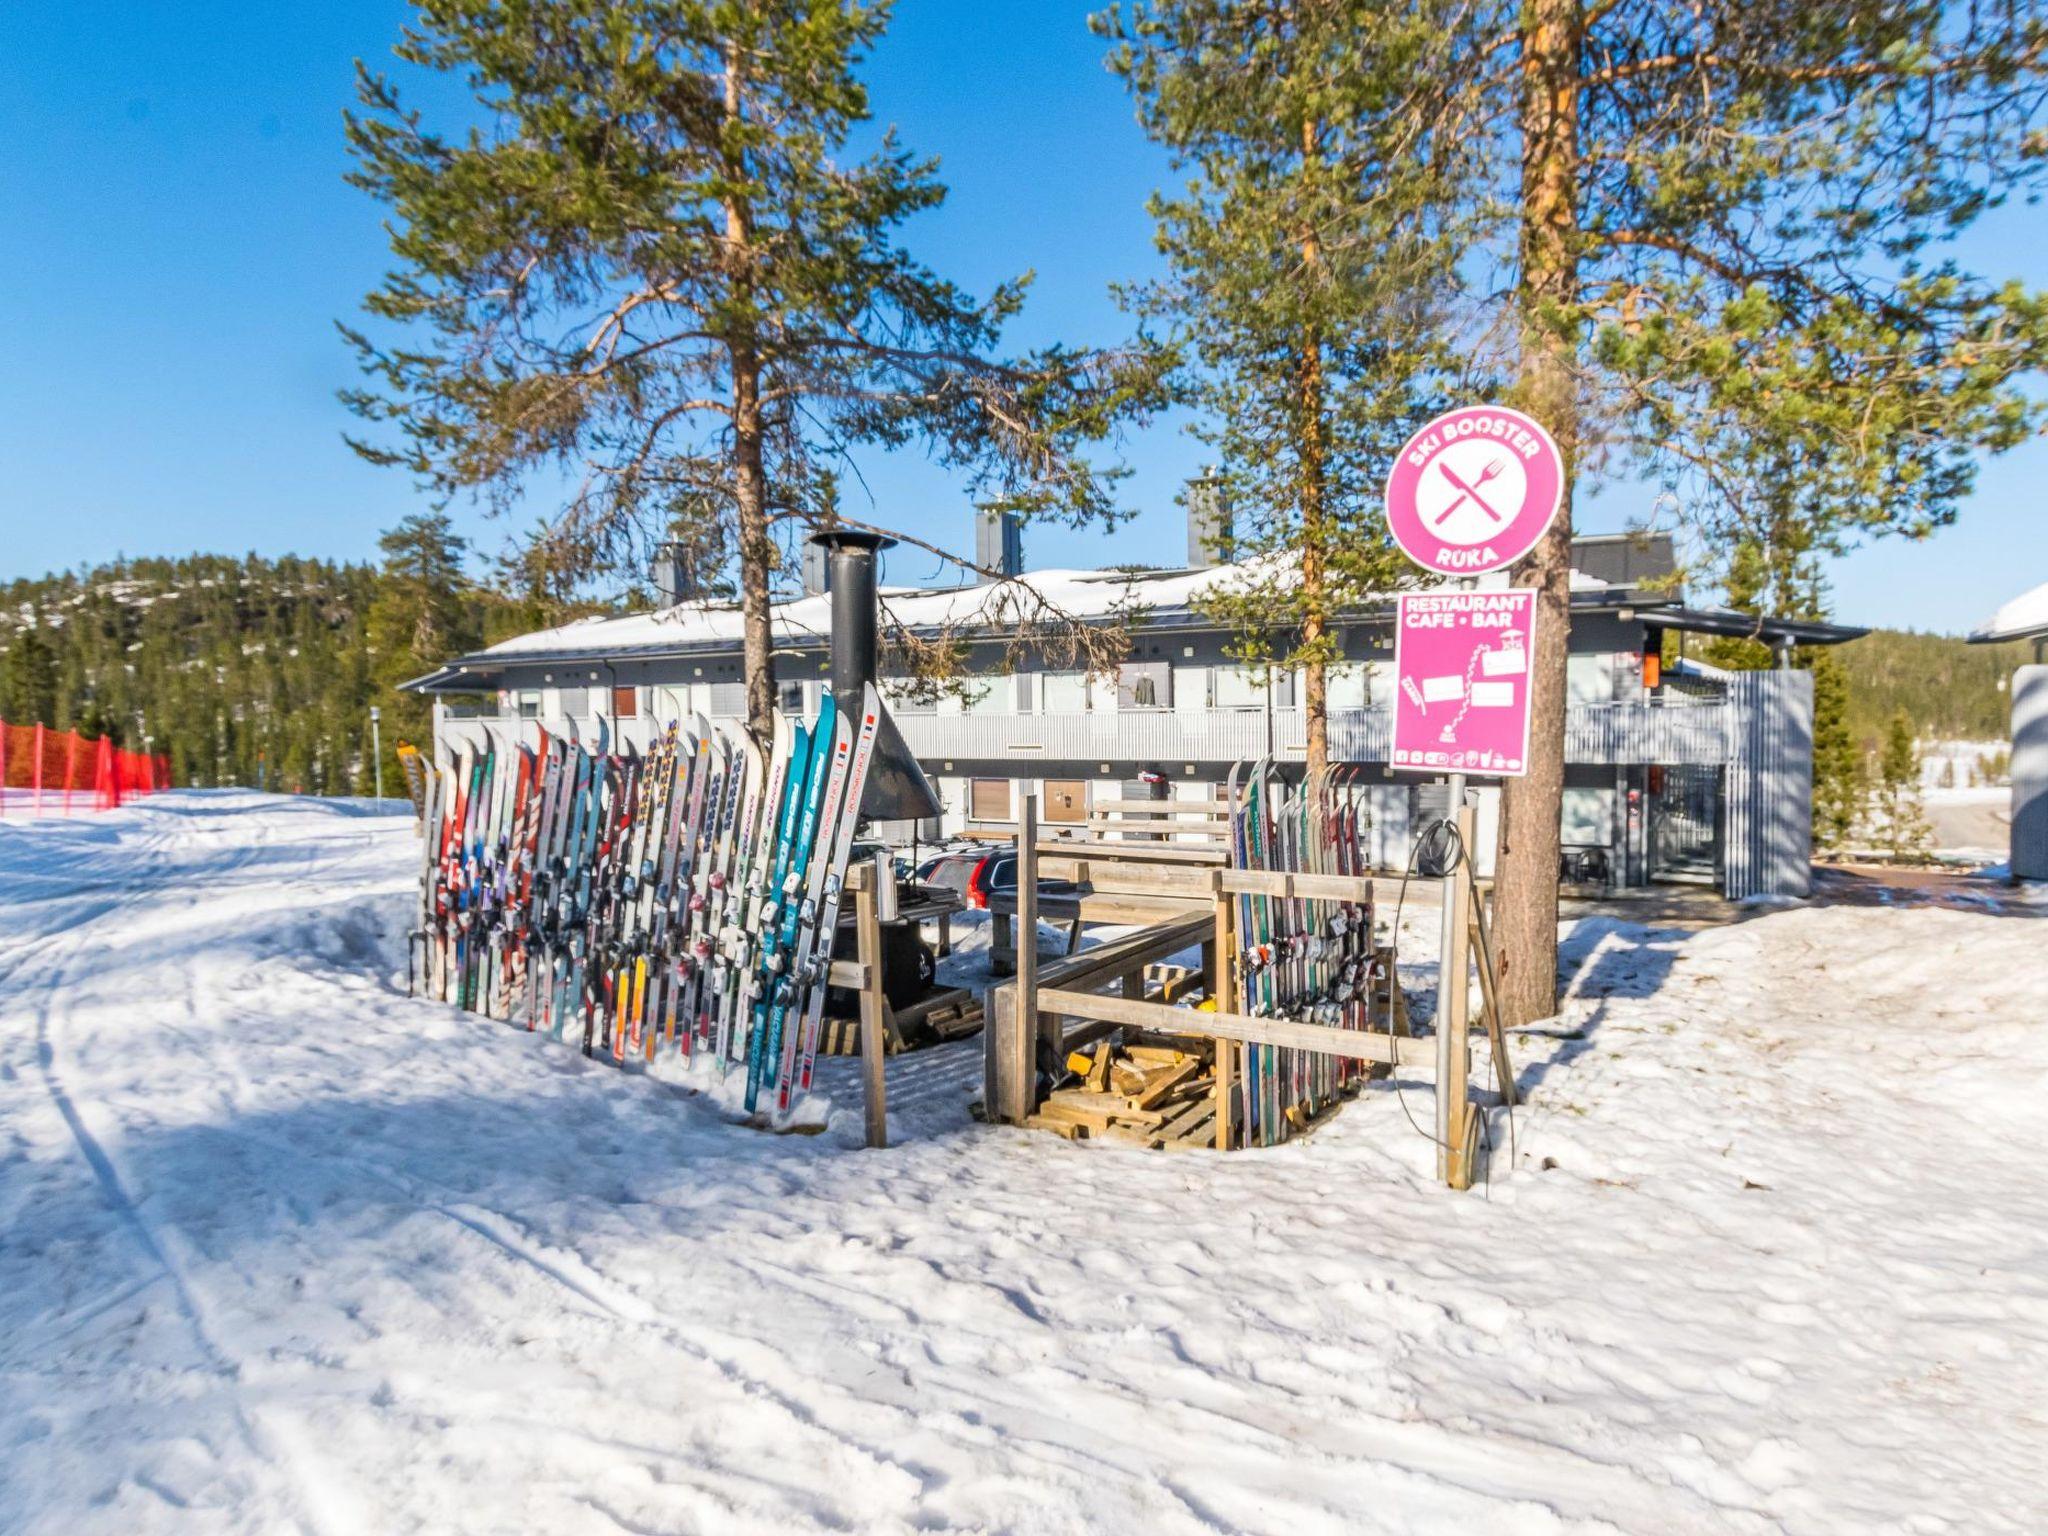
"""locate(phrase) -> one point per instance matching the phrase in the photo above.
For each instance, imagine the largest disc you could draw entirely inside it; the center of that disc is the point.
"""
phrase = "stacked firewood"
(1153, 1091)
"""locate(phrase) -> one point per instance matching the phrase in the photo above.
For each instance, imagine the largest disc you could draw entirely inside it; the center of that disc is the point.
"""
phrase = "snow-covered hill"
(282, 1250)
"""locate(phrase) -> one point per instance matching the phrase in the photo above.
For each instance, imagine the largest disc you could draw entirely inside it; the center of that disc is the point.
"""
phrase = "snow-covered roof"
(1080, 594)
(2023, 617)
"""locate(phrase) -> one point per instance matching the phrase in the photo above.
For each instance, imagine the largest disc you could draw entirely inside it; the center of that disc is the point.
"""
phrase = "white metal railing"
(1642, 732)
(1148, 736)
(1645, 731)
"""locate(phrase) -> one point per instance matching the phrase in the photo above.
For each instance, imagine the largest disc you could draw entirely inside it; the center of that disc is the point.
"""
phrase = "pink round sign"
(1474, 490)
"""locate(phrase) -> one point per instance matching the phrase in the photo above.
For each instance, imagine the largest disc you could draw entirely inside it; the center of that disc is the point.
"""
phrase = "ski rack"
(1052, 1009)
(503, 842)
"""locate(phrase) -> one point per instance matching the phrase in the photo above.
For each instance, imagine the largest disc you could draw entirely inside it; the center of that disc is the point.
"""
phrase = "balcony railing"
(1146, 736)
(1642, 732)
(1648, 731)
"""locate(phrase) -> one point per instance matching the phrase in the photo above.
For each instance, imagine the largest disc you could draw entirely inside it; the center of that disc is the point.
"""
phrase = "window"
(993, 696)
(1347, 686)
(1144, 685)
(1064, 693)
(902, 696)
(988, 800)
(575, 702)
(625, 703)
(529, 703)
(789, 698)
(1589, 679)
(729, 700)
(1191, 689)
(1240, 688)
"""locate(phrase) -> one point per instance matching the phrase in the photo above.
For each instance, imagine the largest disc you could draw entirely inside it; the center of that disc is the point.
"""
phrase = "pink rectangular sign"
(1461, 668)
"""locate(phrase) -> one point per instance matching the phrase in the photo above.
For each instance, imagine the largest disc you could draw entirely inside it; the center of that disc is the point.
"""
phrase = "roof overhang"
(2001, 636)
(446, 679)
(1750, 626)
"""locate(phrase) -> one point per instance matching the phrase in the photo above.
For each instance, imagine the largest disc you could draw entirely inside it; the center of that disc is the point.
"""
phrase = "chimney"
(998, 542)
(674, 577)
(817, 568)
(897, 789)
(1208, 519)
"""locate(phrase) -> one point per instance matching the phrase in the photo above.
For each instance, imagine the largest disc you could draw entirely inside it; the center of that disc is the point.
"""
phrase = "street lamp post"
(377, 748)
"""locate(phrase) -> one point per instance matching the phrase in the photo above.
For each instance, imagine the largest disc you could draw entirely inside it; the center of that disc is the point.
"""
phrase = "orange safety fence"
(60, 768)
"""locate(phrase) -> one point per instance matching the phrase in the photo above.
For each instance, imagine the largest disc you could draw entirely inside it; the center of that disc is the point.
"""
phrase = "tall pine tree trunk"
(1525, 893)
(757, 548)
(1315, 469)
(750, 476)
(1314, 511)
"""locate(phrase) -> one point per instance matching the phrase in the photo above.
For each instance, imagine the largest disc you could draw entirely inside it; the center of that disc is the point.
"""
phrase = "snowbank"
(285, 1250)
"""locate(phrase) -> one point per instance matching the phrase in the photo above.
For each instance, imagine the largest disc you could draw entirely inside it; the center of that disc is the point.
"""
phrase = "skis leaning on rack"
(1308, 960)
(681, 901)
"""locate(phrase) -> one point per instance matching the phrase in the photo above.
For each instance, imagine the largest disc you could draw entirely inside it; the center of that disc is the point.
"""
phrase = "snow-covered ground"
(1970, 826)
(24, 803)
(282, 1250)
(1960, 765)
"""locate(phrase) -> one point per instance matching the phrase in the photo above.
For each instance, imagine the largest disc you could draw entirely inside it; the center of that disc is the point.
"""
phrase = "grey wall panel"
(2030, 773)
(1769, 848)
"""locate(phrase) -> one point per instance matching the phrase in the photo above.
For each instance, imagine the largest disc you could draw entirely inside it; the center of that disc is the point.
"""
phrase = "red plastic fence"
(59, 767)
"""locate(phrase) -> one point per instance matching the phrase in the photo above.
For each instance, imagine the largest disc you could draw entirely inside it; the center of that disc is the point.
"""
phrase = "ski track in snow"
(284, 1250)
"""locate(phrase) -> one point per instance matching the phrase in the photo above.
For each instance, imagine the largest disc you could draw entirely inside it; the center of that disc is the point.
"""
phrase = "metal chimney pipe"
(671, 574)
(998, 542)
(1209, 525)
(856, 606)
(897, 789)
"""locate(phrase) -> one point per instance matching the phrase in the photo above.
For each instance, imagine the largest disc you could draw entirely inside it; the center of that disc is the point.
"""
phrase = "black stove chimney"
(897, 789)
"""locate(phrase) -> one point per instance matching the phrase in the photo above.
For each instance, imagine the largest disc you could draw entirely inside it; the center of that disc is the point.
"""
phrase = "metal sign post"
(1453, 963)
(377, 747)
(1471, 493)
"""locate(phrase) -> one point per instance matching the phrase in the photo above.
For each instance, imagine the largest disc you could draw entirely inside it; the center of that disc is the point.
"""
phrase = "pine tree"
(660, 263)
(1709, 237)
(1840, 785)
(1904, 820)
(32, 696)
(1301, 309)
(418, 620)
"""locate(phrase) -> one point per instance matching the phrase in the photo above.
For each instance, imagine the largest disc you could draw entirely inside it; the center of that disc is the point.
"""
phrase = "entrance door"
(1685, 822)
(1066, 800)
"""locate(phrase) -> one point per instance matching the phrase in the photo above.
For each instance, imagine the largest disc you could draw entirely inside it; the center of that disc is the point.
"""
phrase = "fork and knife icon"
(1469, 490)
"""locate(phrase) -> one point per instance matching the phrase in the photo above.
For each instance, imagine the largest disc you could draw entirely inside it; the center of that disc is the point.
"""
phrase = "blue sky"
(178, 243)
